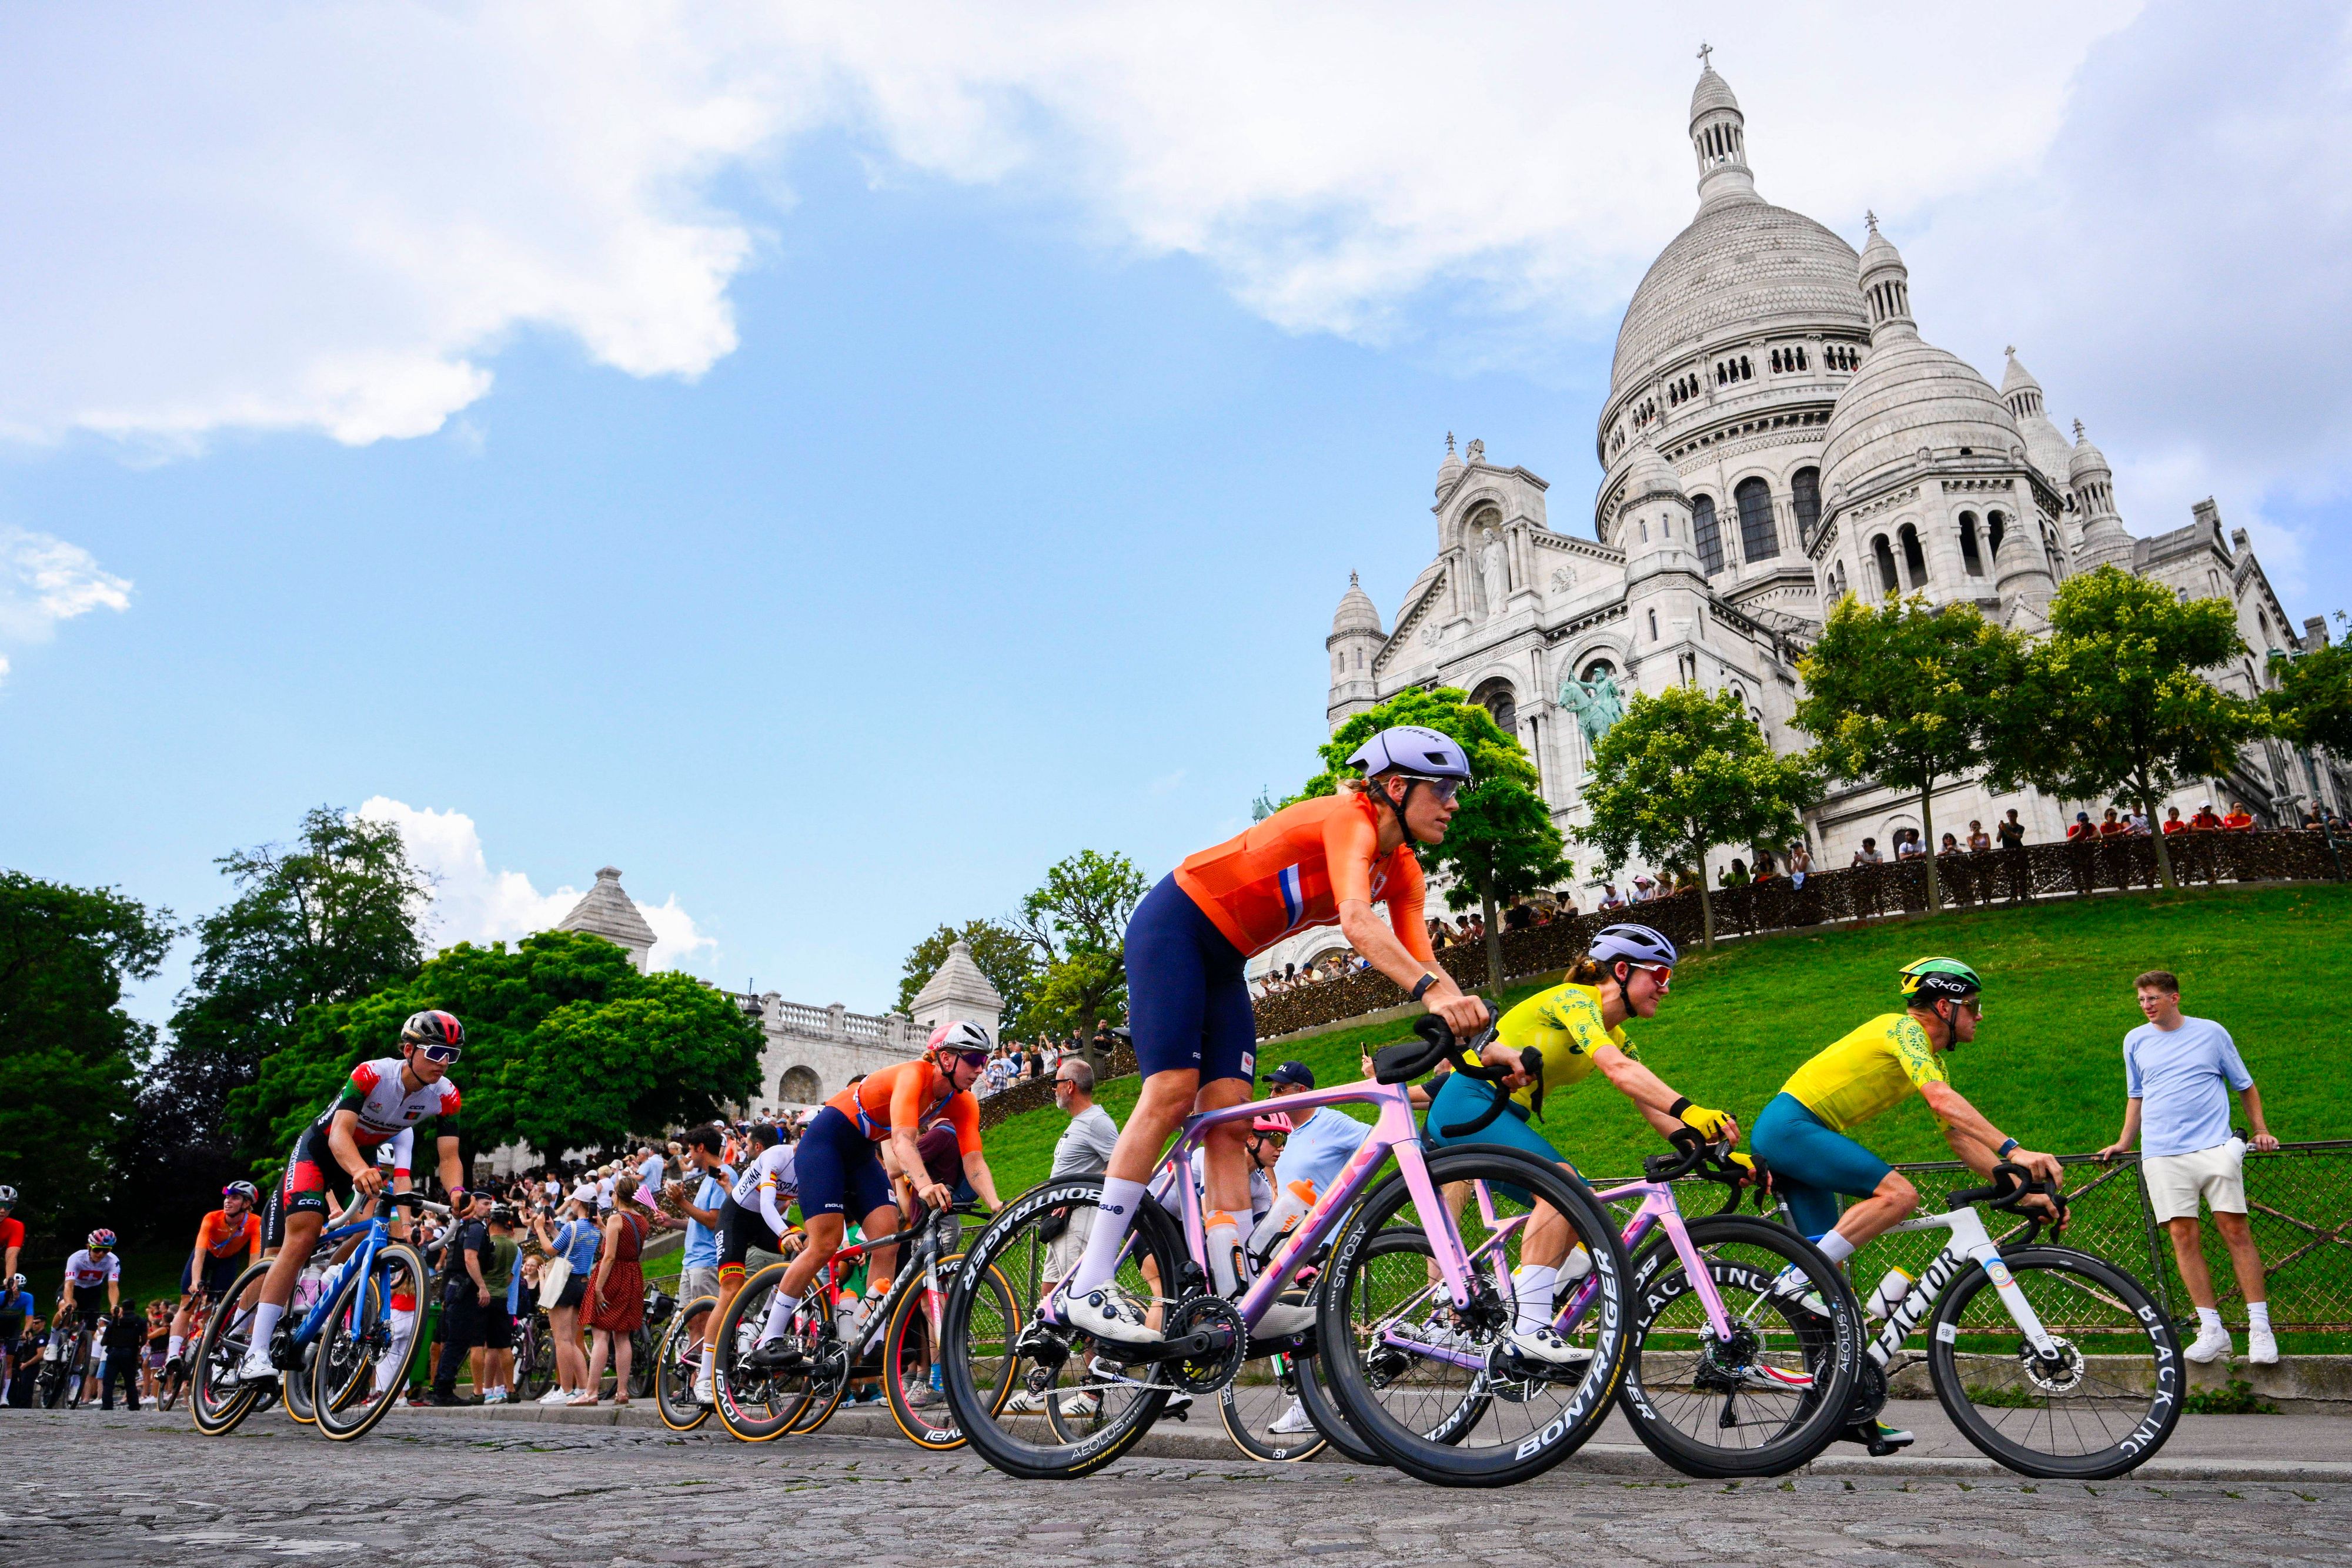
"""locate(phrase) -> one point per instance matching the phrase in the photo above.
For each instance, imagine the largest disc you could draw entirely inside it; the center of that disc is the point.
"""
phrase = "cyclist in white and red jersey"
(383, 1099)
(86, 1270)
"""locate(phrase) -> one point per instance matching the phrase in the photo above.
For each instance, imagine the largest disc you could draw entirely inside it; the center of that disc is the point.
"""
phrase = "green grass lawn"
(2046, 1067)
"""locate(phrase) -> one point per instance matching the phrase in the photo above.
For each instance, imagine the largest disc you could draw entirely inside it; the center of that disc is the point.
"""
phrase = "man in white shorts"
(2177, 1072)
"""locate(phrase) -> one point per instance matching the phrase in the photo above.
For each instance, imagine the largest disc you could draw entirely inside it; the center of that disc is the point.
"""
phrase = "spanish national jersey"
(1564, 1023)
(1294, 869)
(1866, 1073)
(911, 1095)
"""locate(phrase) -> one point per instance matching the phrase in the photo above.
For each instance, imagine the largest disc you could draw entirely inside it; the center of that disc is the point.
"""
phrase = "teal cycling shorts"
(1461, 1099)
(1789, 1138)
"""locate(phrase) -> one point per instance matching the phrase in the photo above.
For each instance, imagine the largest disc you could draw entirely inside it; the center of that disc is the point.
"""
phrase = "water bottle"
(1223, 1235)
(848, 1317)
(1889, 1294)
(1288, 1209)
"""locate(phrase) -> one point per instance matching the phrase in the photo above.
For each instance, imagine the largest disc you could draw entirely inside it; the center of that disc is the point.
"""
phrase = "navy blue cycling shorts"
(838, 1168)
(1188, 1001)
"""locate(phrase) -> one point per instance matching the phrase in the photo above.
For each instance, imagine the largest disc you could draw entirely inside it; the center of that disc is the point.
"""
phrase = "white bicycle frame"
(1970, 1244)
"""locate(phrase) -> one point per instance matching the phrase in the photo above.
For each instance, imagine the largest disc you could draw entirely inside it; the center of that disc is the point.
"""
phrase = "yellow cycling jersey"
(1564, 1023)
(1867, 1073)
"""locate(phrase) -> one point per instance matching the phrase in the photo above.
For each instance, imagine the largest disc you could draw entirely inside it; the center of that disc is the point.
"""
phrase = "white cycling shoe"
(1542, 1344)
(1105, 1314)
(255, 1367)
(1284, 1319)
(703, 1393)
(1291, 1421)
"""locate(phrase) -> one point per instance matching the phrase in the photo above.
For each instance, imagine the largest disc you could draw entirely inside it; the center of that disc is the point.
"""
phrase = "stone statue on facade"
(1496, 573)
(1596, 704)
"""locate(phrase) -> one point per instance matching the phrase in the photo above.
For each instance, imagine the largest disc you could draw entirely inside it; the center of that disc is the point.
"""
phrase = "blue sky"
(832, 475)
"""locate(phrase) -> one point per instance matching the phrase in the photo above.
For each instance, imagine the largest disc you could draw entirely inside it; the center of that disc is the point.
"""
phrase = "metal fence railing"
(2031, 874)
(2298, 1202)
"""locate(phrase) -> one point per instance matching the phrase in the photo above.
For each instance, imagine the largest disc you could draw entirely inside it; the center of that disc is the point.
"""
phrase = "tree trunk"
(1927, 838)
(1706, 906)
(1099, 1068)
(2156, 831)
(1494, 940)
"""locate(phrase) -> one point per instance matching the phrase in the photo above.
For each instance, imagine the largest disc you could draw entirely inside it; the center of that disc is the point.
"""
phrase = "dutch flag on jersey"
(1294, 896)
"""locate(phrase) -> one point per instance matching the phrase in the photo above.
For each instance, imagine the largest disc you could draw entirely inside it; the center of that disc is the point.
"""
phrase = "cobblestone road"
(86, 1487)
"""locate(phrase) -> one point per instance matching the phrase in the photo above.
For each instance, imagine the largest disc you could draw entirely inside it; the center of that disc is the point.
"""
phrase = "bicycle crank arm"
(1185, 1347)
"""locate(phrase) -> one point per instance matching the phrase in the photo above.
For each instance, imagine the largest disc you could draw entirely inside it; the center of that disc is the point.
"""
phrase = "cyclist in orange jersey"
(1319, 863)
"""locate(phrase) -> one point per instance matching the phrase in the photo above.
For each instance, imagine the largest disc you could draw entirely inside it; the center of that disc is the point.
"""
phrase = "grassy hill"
(2268, 963)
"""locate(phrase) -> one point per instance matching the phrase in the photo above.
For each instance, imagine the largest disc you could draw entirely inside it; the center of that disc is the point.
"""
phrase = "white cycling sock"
(1835, 1248)
(780, 1317)
(1532, 1283)
(2258, 1315)
(404, 1326)
(179, 1342)
(265, 1323)
(2209, 1320)
(1120, 1198)
(709, 1362)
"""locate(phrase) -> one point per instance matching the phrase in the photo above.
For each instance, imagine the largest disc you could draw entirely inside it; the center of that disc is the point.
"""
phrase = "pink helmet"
(1271, 1122)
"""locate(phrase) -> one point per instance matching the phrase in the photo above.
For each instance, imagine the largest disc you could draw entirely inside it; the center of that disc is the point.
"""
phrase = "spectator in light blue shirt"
(2177, 1074)
(1320, 1146)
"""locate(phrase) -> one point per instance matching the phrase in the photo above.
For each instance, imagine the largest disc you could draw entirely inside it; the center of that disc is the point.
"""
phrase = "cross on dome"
(1871, 218)
(1705, 49)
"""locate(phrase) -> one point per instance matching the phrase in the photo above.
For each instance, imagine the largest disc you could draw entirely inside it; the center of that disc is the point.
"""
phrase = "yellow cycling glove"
(1709, 1124)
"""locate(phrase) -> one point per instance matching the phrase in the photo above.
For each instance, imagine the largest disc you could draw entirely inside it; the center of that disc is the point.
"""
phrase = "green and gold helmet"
(1926, 980)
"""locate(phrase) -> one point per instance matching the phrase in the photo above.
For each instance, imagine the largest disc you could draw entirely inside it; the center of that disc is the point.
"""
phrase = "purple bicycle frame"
(1395, 1132)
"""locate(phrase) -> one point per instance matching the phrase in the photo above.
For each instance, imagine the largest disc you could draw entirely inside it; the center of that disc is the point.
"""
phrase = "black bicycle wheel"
(922, 1410)
(1246, 1421)
(1314, 1396)
(1433, 1389)
(2107, 1401)
(1775, 1393)
(679, 1362)
(758, 1404)
(363, 1349)
(216, 1403)
(57, 1372)
(1073, 1408)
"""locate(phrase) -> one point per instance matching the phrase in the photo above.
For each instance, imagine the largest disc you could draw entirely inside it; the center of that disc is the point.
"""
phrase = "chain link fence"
(2298, 1202)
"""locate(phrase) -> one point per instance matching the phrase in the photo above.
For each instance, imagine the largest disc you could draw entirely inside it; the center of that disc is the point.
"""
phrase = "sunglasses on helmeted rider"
(444, 1054)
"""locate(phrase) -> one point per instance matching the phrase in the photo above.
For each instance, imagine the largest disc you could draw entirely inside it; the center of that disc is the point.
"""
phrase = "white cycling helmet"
(959, 1037)
(1412, 749)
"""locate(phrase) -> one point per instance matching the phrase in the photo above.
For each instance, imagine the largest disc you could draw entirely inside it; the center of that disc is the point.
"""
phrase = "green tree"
(329, 917)
(72, 1054)
(2112, 702)
(1502, 842)
(567, 1047)
(1076, 922)
(1682, 772)
(1906, 696)
(1002, 954)
(2312, 702)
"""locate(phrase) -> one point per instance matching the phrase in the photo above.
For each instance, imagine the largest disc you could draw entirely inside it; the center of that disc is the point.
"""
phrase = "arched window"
(1971, 556)
(1497, 698)
(1995, 523)
(1653, 626)
(1759, 540)
(1887, 584)
(1805, 498)
(1707, 535)
(799, 1086)
(1915, 561)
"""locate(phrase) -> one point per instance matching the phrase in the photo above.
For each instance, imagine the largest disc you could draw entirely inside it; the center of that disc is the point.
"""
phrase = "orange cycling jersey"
(912, 1094)
(1294, 869)
(225, 1237)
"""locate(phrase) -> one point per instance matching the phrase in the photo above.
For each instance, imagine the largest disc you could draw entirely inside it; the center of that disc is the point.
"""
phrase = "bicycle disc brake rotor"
(1724, 1366)
(1218, 1367)
(2062, 1373)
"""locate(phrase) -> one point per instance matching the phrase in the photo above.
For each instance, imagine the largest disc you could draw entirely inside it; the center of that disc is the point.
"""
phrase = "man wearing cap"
(2206, 819)
(1609, 897)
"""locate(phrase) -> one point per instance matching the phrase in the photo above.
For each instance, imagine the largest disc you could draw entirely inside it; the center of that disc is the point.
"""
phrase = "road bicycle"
(1406, 1408)
(65, 1369)
(349, 1344)
(677, 1362)
(176, 1373)
(822, 1353)
(534, 1352)
(2052, 1361)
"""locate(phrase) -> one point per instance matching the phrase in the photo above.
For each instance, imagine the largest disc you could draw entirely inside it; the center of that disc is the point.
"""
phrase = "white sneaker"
(1282, 1319)
(1105, 1314)
(1081, 1406)
(255, 1366)
(1028, 1402)
(1179, 1404)
(556, 1396)
(704, 1394)
(1542, 1344)
(1291, 1420)
(2211, 1345)
(2262, 1347)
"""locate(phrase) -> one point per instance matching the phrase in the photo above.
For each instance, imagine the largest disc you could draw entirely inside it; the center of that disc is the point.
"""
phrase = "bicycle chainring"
(1213, 1370)
(1869, 1393)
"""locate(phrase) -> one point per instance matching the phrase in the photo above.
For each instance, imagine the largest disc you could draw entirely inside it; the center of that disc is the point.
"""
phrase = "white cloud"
(332, 217)
(46, 580)
(473, 903)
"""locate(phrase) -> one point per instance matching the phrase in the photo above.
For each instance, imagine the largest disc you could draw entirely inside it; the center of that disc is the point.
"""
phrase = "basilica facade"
(1778, 434)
